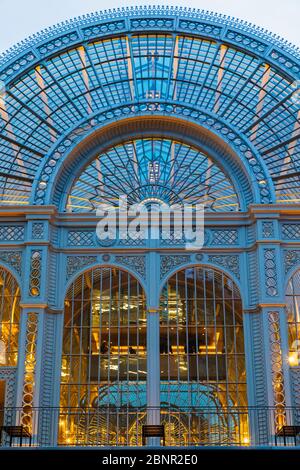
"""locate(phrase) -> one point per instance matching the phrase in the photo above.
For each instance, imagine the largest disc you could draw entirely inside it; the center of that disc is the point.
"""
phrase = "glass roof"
(46, 100)
(147, 169)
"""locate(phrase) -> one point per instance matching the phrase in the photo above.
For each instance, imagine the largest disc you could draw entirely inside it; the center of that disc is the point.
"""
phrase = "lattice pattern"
(159, 169)
(225, 237)
(13, 259)
(276, 370)
(137, 263)
(270, 272)
(29, 371)
(268, 229)
(169, 262)
(172, 238)
(259, 373)
(291, 258)
(230, 262)
(133, 240)
(81, 238)
(47, 387)
(75, 263)
(291, 231)
(37, 230)
(11, 232)
(35, 273)
(295, 373)
(9, 375)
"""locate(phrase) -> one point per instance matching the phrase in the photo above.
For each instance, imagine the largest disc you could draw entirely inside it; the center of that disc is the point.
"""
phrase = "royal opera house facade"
(101, 337)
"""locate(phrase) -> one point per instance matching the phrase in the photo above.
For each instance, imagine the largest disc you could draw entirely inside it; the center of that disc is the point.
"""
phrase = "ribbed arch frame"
(208, 266)
(230, 68)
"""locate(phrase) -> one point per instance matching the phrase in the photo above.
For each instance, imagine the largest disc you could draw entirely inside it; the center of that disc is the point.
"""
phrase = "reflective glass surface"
(43, 103)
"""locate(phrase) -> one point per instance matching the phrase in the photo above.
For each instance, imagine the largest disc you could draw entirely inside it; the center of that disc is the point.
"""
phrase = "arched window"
(202, 359)
(293, 318)
(9, 318)
(164, 169)
(103, 375)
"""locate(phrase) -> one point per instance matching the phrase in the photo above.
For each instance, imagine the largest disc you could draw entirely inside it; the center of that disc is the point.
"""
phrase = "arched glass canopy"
(63, 78)
(160, 169)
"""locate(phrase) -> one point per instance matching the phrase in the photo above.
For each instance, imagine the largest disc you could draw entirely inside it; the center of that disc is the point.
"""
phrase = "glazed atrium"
(100, 337)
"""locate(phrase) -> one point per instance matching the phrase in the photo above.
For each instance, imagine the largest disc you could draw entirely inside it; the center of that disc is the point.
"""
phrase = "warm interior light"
(2, 353)
(293, 359)
(246, 440)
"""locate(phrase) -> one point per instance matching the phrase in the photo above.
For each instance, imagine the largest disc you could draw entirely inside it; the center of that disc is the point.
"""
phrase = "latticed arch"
(147, 168)
(62, 83)
(10, 296)
(202, 356)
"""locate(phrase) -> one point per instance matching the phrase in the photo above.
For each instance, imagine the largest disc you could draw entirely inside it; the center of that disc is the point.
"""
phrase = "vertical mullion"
(168, 357)
(235, 348)
(80, 349)
(128, 345)
(71, 352)
(177, 339)
(139, 387)
(215, 337)
(119, 389)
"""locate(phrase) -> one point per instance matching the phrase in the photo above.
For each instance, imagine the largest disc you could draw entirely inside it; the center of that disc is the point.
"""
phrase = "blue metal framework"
(63, 78)
(155, 103)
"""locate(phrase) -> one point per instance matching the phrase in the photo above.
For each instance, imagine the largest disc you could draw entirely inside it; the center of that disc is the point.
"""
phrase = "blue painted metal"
(48, 121)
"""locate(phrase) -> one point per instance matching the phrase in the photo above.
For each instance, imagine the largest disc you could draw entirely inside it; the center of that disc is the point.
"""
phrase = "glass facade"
(102, 336)
(254, 97)
(103, 372)
(104, 362)
(202, 360)
(9, 318)
(293, 318)
(163, 169)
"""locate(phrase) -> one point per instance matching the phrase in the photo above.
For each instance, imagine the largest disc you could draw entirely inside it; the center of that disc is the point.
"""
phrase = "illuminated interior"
(104, 358)
(202, 359)
(167, 106)
(293, 318)
(165, 169)
(9, 318)
(104, 370)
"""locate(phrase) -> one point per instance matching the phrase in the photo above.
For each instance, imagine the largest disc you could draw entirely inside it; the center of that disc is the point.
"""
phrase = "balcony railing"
(109, 426)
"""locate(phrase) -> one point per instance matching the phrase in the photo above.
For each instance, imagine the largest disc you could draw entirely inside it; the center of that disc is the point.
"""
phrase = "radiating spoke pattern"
(104, 358)
(162, 169)
(53, 96)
